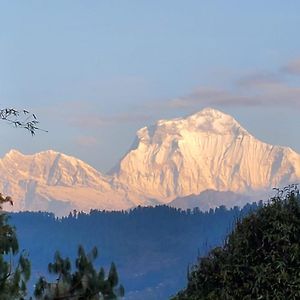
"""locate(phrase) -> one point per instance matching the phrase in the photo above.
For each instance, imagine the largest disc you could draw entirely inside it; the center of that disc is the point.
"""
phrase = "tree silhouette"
(84, 283)
(12, 279)
(260, 258)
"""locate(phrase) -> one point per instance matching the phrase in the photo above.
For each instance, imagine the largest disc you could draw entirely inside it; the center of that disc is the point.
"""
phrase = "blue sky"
(96, 71)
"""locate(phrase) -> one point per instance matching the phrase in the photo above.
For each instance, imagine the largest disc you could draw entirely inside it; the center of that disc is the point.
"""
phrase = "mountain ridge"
(172, 159)
(206, 150)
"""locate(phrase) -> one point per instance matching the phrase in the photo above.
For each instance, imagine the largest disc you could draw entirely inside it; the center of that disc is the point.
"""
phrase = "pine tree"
(85, 283)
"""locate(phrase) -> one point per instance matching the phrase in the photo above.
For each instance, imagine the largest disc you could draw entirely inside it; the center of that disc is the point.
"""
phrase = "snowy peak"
(171, 159)
(206, 150)
(214, 121)
(49, 167)
(207, 121)
(53, 181)
(211, 113)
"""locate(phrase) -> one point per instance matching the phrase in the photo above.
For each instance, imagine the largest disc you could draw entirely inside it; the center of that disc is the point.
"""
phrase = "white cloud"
(261, 95)
(259, 88)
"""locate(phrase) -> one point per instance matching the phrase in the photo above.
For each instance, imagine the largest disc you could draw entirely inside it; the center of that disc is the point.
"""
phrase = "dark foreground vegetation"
(260, 258)
(151, 247)
(79, 282)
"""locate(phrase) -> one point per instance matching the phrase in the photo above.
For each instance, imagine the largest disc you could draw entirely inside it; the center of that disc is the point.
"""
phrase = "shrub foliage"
(259, 260)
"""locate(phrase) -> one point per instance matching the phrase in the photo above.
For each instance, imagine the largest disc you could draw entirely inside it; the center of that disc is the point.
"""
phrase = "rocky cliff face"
(169, 160)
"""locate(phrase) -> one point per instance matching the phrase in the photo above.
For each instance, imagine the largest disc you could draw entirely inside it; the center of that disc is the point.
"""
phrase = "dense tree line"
(151, 246)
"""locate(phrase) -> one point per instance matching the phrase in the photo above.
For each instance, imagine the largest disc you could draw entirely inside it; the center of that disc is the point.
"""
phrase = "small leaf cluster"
(259, 260)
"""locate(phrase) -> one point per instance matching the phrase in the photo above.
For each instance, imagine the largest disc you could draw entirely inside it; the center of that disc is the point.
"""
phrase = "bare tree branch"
(21, 118)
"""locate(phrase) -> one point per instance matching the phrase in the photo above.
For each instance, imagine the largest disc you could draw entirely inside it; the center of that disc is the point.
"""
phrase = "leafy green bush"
(259, 260)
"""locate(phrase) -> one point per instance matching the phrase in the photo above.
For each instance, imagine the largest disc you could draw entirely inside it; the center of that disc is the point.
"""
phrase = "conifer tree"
(84, 283)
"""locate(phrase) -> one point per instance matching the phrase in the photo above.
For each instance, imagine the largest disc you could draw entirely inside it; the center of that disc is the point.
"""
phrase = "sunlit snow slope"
(52, 181)
(207, 150)
(170, 160)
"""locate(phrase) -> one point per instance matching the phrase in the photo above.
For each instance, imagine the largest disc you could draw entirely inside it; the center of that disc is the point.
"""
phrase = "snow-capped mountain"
(207, 150)
(172, 159)
(52, 181)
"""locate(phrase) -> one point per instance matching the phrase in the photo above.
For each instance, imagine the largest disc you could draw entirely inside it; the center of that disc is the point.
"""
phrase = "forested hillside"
(151, 246)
